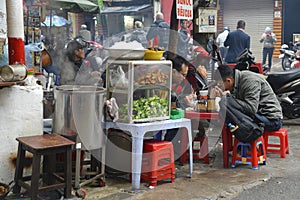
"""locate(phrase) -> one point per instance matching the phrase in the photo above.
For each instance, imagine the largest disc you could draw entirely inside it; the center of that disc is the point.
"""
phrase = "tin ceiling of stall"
(123, 9)
(75, 6)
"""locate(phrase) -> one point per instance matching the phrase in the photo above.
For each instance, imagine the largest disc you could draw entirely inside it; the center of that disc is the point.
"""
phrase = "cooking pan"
(46, 58)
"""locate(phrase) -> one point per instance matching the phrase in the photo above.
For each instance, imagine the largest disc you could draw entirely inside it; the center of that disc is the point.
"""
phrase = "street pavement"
(278, 179)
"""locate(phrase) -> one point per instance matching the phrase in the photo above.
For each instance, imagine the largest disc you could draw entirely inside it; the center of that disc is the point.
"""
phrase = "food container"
(211, 105)
(79, 110)
(10, 73)
(142, 91)
(126, 54)
(153, 55)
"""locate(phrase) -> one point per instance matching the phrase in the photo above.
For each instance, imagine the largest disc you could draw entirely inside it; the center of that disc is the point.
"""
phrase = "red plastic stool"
(158, 161)
(283, 147)
(198, 154)
(252, 153)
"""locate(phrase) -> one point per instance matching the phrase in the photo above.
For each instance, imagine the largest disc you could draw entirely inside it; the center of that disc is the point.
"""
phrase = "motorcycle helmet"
(284, 46)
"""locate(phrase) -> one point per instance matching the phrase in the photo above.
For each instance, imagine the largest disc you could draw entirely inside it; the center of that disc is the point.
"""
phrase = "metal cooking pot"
(10, 73)
(79, 111)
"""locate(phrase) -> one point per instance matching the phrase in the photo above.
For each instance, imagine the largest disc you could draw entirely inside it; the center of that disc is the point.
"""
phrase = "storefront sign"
(296, 38)
(207, 20)
(277, 14)
(184, 9)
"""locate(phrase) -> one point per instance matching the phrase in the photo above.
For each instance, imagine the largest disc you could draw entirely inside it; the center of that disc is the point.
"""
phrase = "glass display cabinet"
(142, 89)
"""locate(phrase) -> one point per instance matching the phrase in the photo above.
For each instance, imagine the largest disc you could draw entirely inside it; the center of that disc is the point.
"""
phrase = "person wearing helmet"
(84, 33)
(268, 39)
(75, 69)
(220, 41)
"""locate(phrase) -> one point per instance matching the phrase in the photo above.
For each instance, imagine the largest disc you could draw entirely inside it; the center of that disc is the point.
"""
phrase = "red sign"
(184, 9)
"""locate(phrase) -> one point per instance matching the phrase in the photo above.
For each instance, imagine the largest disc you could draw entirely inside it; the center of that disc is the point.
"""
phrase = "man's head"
(226, 28)
(225, 77)
(83, 26)
(180, 69)
(241, 24)
(138, 24)
(159, 15)
(184, 23)
(75, 50)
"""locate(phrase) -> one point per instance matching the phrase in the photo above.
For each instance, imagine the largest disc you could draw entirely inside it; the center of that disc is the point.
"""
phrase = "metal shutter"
(258, 14)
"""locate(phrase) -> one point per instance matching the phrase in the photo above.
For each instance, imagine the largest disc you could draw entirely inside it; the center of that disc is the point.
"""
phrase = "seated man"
(253, 92)
(183, 95)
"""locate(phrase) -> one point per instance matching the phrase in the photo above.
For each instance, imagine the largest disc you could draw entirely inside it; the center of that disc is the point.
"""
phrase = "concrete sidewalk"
(209, 181)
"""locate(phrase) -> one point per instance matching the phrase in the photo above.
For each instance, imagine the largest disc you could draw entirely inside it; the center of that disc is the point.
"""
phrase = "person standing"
(84, 33)
(268, 39)
(220, 41)
(139, 34)
(75, 69)
(237, 41)
(183, 39)
(158, 34)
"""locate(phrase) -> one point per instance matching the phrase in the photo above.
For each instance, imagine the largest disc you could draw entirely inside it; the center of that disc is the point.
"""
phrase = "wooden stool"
(283, 147)
(198, 154)
(252, 153)
(47, 145)
(158, 161)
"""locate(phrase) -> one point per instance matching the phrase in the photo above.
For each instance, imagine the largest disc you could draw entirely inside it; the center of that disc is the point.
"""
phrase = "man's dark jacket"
(237, 41)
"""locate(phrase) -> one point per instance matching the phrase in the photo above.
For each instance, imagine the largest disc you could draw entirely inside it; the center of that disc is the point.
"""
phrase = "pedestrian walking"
(220, 41)
(183, 39)
(139, 34)
(84, 33)
(158, 34)
(237, 41)
(268, 39)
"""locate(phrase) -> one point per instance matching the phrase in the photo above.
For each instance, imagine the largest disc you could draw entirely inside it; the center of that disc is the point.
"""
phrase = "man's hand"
(220, 92)
(202, 71)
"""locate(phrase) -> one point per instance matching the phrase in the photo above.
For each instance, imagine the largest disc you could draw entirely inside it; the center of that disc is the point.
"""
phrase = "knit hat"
(268, 30)
(226, 28)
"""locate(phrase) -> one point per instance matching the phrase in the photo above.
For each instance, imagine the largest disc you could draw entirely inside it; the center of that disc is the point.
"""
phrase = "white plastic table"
(139, 130)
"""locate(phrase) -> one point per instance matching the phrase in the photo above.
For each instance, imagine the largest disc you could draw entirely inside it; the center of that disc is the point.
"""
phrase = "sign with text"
(207, 20)
(184, 9)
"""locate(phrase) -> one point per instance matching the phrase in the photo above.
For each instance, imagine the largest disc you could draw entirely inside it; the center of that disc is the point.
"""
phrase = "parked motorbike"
(287, 55)
(286, 86)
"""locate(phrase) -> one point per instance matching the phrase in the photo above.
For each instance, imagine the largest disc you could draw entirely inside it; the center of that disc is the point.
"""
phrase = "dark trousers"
(267, 52)
(270, 124)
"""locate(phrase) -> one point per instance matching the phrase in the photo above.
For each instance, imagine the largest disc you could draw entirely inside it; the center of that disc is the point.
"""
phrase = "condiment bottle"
(202, 103)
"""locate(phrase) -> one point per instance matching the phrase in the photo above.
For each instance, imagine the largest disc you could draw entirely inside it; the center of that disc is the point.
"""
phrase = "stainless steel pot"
(10, 73)
(79, 112)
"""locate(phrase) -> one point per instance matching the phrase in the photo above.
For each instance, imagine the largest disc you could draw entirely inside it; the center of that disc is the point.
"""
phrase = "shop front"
(257, 14)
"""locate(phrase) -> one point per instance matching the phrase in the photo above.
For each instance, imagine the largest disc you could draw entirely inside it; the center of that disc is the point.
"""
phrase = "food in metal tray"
(146, 108)
(152, 78)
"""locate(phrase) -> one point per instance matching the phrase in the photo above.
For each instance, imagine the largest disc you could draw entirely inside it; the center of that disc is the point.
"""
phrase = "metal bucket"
(79, 112)
(12, 73)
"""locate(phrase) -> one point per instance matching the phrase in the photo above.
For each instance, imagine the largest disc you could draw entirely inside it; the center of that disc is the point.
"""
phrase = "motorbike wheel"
(288, 111)
(286, 64)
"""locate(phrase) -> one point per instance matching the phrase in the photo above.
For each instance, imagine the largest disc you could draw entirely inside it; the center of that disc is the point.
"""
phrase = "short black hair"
(223, 72)
(71, 47)
(241, 24)
(178, 61)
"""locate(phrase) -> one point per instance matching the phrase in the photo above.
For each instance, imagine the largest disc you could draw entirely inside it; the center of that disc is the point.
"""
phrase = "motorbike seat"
(279, 79)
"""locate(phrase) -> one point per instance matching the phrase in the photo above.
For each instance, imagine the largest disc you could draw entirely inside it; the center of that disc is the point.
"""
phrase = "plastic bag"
(33, 47)
(118, 78)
